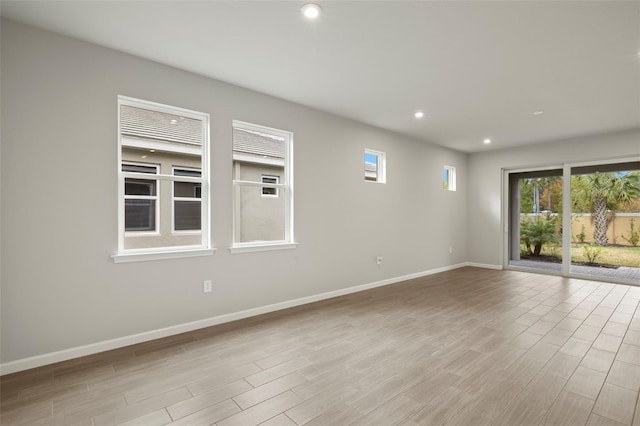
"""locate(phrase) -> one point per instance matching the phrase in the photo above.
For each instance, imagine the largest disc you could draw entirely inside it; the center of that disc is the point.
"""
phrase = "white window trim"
(381, 168)
(286, 184)
(266, 246)
(277, 179)
(451, 173)
(174, 199)
(176, 253)
(156, 253)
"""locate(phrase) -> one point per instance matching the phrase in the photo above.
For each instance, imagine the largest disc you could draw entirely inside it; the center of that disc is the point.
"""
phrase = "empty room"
(287, 213)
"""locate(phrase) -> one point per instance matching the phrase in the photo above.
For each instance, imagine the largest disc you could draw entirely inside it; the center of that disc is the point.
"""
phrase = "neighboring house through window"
(270, 192)
(187, 202)
(262, 180)
(140, 199)
(164, 180)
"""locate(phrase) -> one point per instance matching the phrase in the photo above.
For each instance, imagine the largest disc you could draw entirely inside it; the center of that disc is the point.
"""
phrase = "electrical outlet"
(207, 286)
(379, 260)
(450, 249)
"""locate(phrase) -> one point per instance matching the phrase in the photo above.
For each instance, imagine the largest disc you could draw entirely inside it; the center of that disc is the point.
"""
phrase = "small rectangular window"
(449, 178)
(270, 192)
(374, 166)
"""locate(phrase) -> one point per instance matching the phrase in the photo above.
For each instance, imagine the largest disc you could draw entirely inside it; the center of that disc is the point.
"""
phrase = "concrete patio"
(622, 272)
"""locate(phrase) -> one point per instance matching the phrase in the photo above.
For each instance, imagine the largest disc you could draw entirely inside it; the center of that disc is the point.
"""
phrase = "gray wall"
(485, 238)
(60, 289)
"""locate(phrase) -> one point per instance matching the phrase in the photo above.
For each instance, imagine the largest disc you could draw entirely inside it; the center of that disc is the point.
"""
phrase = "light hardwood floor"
(465, 347)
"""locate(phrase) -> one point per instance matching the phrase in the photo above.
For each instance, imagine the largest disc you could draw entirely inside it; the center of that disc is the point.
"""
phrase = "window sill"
(160, 255)
(262, 247)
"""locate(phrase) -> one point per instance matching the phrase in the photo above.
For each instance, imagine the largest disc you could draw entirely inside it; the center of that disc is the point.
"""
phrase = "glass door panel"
(535, 219)
(605, 221)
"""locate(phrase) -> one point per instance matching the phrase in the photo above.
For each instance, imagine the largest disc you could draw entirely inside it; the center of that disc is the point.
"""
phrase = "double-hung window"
(140, 200)
(187, 202)
(163, 202)
(262, 188)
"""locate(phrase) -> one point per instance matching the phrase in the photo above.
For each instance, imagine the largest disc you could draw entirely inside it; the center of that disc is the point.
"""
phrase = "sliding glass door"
(535, 212)
(578, 220)
(605, 220)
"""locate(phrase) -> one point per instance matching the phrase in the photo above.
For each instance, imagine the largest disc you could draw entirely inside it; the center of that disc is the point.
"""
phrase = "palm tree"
(534, 233)
(605, 191)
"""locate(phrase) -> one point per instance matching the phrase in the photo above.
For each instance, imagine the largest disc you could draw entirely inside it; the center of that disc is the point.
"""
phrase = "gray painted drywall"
(485, 239)
(60, 288)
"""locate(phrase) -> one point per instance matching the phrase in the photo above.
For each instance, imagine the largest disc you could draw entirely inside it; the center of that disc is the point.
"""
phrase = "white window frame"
(156, 253)
(156, 198)
(451, 181)
(381, 168)
(277, 179)
(174, 199)
(286, 183)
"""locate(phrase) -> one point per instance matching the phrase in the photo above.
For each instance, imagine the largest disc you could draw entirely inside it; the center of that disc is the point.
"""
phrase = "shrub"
(634, 236)
(582, 236)
(591, 252)
(534, 233)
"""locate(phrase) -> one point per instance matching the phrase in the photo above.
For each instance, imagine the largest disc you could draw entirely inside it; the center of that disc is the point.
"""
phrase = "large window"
(163, 181)
(262, 181)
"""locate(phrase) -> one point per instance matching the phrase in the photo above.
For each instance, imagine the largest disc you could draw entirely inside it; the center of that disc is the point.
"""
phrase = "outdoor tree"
(601, 192)
(526, 196)
(551, 196)
(541, 194)
(580, 195)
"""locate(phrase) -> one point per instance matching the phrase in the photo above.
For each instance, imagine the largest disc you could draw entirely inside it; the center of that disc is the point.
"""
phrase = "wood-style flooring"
(465, 347)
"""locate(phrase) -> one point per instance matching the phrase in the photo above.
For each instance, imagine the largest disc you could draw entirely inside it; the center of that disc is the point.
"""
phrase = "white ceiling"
(477, 69)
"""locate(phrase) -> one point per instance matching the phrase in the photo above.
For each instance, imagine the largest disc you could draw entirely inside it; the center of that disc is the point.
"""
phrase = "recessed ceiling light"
(418, 114)
(152, 150)
(174, 121)
(311, 10)
(539, 112)
(143, 156)
(487, 141)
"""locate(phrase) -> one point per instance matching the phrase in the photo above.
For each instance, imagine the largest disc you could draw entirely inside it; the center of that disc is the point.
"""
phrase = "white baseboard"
(93, 348)
(484, 265)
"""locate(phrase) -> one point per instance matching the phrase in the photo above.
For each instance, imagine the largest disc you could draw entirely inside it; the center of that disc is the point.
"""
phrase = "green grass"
(616, 256)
